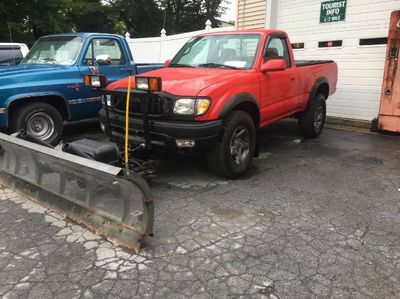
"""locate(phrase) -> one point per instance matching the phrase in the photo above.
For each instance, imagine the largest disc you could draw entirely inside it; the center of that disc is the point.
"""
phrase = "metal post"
(162, 46)
(208, 26)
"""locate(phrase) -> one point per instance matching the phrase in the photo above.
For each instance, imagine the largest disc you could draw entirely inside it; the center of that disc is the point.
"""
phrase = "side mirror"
(167, 63)
(273, 65)
(103, 60)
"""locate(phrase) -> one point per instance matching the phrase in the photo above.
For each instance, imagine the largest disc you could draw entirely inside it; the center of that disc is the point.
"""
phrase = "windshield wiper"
(212, 64)
(180, 65)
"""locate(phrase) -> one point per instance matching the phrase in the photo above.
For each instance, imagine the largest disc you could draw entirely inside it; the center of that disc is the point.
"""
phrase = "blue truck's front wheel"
(40, 119)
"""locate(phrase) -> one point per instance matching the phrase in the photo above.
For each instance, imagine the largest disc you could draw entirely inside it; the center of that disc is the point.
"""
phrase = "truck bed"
(300, 63)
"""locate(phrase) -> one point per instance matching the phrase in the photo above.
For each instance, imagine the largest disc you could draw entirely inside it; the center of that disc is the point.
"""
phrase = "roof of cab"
(83, 34)
(12, 44)
(244, 31)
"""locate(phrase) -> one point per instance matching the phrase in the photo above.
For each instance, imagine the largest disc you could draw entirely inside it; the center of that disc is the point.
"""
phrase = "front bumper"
(163, 133)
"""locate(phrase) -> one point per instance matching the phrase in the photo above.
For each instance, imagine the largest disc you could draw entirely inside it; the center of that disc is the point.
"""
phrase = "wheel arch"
(56, 101)
(321, 85)
(244, 102)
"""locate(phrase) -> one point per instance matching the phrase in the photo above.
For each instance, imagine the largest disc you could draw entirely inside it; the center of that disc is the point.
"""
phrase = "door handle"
(293, 78)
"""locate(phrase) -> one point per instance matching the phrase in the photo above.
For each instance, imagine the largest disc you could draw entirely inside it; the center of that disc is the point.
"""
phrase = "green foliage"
(142, 18)
(90, 16)
(30, 19)
(190, 15)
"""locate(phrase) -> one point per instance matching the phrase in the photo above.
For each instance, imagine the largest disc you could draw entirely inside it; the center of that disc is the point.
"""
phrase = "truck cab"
(46, 89)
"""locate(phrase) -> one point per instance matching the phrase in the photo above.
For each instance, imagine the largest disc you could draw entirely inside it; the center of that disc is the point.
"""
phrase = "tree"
(190, 15)
(141, 18)
(30, 19)
(91, 16)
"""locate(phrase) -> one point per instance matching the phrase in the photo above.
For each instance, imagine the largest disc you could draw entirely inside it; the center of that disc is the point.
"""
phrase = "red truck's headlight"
(189, 106)
(202, 106)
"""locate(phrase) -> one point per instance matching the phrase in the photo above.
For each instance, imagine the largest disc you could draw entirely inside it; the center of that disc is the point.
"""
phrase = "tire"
(312, 121)
(40, 119)
(233, 154)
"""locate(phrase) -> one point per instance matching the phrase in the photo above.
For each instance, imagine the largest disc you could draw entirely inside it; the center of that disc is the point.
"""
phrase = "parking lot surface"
(313, 219)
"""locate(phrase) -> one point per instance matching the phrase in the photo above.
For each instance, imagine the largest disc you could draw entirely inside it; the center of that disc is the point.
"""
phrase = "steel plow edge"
(95, 195)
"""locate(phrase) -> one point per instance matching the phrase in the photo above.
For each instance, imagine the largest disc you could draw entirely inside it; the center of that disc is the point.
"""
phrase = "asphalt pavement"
(312, 219)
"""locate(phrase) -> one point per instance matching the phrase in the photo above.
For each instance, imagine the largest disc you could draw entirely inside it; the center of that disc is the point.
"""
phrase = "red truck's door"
(279, 89)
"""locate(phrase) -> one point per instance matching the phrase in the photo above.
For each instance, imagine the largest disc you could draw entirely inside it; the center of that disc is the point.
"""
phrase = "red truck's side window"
(277, 49)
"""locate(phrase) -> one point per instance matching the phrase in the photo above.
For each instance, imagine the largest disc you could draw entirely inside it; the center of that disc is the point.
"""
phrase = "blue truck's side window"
(104, 52)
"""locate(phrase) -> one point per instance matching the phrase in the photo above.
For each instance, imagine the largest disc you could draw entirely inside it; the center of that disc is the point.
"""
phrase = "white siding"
(360, 67)
(251, 14)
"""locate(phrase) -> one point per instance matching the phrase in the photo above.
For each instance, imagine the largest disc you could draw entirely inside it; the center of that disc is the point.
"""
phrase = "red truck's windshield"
(236, 51)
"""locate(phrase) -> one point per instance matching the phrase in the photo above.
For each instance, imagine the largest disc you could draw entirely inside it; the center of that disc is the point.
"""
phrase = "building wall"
(360, 66)
(251, 14)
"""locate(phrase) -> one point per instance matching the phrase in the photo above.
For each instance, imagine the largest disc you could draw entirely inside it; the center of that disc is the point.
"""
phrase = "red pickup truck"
(217, 92)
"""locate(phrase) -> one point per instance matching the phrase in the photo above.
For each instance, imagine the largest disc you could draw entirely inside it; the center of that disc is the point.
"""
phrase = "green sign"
(333, 11)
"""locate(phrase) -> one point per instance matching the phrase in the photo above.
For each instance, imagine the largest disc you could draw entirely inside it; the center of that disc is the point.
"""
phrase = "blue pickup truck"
(46, 89)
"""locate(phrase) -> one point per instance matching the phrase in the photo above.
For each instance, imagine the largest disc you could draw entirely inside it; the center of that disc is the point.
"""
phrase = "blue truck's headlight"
(106, 99)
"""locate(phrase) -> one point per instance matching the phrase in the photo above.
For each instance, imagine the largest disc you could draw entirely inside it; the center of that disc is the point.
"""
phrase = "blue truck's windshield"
(62, 50)
(221, 50)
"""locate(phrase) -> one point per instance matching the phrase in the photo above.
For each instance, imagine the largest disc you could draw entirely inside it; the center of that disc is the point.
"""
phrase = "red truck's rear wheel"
(312, 121)
(233, 154)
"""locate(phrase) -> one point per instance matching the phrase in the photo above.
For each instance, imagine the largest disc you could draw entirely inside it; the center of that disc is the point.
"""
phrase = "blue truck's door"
(107, 56)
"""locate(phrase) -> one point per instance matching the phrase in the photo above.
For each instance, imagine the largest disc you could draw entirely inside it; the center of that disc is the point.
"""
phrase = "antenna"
(11, 40)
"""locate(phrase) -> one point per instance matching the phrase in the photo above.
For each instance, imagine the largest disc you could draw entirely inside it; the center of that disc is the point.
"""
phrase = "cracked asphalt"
(313, 219)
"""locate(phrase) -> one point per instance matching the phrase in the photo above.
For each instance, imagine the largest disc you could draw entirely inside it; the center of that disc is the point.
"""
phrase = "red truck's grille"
(154, 104)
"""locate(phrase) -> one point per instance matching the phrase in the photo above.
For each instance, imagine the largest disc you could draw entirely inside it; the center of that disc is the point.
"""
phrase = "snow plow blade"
(95, 195)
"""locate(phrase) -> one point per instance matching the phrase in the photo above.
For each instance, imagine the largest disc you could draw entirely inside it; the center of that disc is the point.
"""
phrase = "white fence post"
(162, 47)
(208, 26)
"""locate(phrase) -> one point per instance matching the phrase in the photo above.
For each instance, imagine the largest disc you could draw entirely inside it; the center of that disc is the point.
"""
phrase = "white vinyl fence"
(159, 49)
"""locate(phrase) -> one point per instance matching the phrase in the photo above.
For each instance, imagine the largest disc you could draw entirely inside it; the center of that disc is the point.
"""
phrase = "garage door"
(357, 44)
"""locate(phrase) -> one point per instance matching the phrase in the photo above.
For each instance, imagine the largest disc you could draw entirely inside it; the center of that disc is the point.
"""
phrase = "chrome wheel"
(240, 145)
(319, 116)
(40, 125)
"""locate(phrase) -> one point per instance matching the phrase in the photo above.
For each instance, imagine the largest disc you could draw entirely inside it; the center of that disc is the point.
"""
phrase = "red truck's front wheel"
(234, 152)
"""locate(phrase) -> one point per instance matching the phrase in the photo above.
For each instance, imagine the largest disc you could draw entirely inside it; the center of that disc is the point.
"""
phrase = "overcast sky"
(230, 12)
